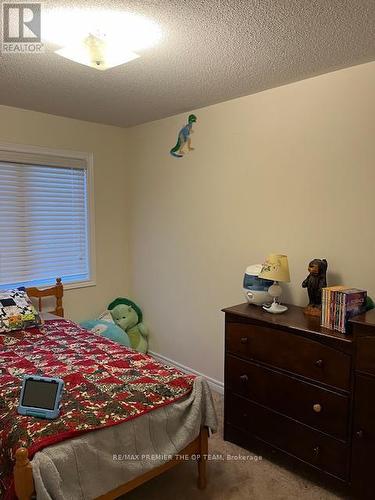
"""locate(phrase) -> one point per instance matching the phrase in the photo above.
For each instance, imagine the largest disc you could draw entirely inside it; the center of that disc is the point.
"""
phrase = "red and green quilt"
(105, 384)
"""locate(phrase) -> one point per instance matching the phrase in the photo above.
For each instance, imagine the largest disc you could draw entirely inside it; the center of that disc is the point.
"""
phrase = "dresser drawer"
(289, 352)
(364, 437)
(365, 359)
(320, 408)
(306, 444)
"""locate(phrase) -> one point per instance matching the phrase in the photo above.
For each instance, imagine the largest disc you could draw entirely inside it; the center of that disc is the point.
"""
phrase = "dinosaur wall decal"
(184, 138)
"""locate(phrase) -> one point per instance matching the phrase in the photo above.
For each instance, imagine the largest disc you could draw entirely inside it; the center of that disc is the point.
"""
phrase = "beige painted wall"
(288, 170)
(111, 211)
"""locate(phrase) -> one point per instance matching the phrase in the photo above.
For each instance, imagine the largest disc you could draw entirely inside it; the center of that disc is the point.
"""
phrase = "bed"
(162, 419)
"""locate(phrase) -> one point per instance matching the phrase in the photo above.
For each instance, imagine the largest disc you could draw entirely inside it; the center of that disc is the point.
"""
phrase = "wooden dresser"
(303, 392)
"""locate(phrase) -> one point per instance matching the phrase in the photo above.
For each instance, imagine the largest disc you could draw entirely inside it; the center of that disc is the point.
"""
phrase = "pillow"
(17, 311)
(108, 330)
(106, 316)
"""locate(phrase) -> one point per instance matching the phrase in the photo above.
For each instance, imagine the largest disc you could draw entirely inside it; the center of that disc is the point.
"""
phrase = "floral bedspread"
(105, 384)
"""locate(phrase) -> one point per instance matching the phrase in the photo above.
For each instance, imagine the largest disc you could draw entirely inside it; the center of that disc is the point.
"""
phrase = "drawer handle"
(319, 363)
(359, 434)
(244, 379)
(317, 408)
(244, 340)
(316, 451)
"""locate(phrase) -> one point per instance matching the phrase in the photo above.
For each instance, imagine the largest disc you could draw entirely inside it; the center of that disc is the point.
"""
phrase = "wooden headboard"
(56, 291)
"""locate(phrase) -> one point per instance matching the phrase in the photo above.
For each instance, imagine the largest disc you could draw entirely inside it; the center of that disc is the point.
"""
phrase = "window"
(45, 209)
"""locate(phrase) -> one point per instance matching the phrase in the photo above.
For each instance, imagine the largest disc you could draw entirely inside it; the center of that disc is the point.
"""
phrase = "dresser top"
(366, 319)
(293, 319)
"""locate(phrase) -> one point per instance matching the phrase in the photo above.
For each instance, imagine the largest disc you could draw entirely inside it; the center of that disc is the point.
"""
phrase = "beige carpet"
(229, 480)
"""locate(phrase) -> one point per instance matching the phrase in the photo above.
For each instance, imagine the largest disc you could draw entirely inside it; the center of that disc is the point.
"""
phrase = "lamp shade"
(276, 268)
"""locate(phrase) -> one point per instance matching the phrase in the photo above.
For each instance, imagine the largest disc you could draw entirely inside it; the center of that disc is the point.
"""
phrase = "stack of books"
(339, 304)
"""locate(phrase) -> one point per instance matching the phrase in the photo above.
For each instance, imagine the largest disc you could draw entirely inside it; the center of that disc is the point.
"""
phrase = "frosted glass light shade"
(275, 290)
(97, 53)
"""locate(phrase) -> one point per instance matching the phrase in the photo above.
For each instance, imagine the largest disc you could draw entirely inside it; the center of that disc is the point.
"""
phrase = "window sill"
(82, 284)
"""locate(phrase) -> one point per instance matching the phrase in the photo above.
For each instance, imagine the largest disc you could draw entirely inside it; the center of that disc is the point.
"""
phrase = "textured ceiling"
(211, 51)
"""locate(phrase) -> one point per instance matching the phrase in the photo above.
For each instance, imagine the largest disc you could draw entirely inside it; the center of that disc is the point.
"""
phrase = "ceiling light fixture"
(97, 38)
(96, 52)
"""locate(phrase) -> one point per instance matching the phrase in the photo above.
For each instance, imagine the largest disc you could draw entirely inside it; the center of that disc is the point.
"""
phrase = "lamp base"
(275, 308)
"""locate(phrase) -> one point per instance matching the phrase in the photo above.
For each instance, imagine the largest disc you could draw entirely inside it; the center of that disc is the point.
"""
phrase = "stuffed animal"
(128, 316)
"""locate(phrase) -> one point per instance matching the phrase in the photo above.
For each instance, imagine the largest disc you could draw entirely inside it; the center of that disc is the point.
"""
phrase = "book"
(329, 307)
(336, 310)
(334, 299)
(353, 303)
(340, 315)
(327, 304)
(324, 307)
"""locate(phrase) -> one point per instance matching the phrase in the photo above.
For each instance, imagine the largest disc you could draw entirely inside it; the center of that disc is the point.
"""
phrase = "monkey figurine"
(315, 281)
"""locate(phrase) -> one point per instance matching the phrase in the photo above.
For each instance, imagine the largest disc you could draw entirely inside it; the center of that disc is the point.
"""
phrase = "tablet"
(40, 396)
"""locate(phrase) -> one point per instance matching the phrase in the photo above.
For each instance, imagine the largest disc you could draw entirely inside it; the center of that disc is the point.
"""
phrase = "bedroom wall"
(111, 211)
(288, 170)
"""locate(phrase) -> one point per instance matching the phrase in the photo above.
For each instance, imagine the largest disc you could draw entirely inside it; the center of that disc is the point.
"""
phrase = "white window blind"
(44, 220)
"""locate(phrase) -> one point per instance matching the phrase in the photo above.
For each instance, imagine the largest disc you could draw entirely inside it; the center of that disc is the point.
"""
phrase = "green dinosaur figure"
(184, 138)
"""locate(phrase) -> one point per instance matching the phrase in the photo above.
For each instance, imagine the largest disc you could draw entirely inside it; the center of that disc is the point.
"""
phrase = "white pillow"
(106, 316)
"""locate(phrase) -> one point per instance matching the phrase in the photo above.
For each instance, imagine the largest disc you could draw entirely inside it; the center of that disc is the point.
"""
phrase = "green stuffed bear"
(128, 316)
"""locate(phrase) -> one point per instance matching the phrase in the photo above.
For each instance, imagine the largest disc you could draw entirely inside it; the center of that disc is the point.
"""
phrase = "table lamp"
(275, 268)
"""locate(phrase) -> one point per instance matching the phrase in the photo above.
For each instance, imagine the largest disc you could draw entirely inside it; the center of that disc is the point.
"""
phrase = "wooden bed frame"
(24, 483)
(56, 291)
(23, 473)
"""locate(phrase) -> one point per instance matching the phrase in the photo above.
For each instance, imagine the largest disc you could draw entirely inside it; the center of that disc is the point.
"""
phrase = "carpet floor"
(230, 480)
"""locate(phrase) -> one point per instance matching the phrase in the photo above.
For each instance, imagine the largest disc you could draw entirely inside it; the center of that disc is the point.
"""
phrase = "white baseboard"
(215, 385)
